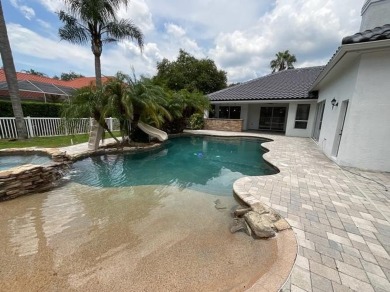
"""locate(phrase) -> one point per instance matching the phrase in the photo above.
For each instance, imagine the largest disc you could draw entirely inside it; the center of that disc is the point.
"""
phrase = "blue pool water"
(7, 162)
(207, 164)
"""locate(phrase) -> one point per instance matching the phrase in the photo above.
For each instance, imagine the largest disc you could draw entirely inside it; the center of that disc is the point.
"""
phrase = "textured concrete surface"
(341, 219)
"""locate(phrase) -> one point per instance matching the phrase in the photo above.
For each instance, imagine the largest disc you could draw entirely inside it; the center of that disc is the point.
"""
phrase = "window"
(230, 112)
(302, 116)
(212, 112)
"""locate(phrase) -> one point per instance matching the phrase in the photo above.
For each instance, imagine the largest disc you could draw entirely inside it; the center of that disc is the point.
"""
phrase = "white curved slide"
(152, 131)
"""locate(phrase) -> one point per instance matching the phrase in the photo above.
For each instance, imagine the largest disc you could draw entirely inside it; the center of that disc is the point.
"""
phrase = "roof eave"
(343, 50)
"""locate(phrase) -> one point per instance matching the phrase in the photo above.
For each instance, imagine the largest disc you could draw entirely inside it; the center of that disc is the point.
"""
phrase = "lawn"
(48, 142)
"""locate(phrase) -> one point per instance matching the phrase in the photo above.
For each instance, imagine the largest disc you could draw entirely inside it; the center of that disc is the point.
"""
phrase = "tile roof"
(375, 34)
(75, 83)
(287, 84)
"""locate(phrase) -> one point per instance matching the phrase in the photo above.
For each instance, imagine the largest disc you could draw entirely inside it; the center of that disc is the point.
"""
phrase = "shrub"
(197, 121)
(32, 109)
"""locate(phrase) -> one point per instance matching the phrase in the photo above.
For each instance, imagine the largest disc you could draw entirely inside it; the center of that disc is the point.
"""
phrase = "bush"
(197, 121)
(32, 109)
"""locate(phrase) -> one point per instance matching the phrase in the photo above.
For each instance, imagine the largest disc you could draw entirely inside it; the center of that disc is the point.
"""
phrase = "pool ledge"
(30, 178)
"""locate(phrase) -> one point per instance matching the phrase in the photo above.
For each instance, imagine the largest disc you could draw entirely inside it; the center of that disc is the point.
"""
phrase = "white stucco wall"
(376, 13)
(290, 125)
(365, 142)
(340, 87)
(253, 116)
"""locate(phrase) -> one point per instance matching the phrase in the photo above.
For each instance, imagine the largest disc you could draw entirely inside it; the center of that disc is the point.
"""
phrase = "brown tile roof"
(287, 84)
(76, 83)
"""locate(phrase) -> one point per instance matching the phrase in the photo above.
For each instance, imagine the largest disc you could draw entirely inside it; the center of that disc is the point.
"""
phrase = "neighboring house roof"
(375, 34)
(75, 83)
(283, 85)
(37, 87)
(40, 87)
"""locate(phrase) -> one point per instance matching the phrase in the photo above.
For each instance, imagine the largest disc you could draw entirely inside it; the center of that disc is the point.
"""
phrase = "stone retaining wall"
(28, 179)
(223, 125)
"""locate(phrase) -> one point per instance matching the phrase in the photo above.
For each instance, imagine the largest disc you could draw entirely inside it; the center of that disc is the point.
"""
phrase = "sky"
(242, 37)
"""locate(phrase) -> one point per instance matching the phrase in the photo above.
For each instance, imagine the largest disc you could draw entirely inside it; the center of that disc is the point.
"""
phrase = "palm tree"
(182, 104)
(10, 75)
(95, 21)
(284, 60)
(88, 102)
(144, 101)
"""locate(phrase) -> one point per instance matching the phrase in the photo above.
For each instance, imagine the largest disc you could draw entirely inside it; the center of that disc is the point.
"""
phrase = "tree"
(284, 60)
(128, 99)
(70, 76)
(88, 101)
(10, 75)
(96, 21)
(33, 72)
(191, 74)
(182, 105)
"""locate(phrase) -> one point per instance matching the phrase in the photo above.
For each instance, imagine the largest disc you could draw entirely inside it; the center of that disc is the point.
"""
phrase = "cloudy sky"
(240, 36)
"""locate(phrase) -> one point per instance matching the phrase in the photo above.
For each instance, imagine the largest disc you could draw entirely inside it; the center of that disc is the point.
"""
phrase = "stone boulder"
(261, 226)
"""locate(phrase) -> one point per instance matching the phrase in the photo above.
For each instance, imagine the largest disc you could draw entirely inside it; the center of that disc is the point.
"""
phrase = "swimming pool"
(139, 221)
(207, 164)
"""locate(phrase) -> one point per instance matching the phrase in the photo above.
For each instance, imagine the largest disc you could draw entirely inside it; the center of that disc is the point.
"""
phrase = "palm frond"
(123, 29)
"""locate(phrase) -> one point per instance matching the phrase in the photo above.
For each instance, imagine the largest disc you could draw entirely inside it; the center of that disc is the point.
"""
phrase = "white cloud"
(175, 30)
(138, 12)
(241, 36)
(312, 30)
(43, 23)
(27, 11)
(53, 5)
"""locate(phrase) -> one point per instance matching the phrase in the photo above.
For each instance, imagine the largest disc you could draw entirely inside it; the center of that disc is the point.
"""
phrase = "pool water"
(141, 222)
(207, 164)
(7, 162)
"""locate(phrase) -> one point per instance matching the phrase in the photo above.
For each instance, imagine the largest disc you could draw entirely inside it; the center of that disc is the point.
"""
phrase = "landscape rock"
(281, 225)
(260, 208)
(260, 225)
(219, 205)
(241, 212)
(238, 225)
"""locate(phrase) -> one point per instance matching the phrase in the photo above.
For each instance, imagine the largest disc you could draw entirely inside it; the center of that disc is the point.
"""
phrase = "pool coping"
(340, 216)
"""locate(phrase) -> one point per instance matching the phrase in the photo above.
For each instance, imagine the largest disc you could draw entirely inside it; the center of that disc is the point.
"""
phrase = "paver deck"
(341, 220)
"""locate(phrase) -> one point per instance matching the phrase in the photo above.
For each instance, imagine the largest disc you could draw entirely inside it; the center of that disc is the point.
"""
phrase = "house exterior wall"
(253, 117)
(290, 125)
(375, 13)
(366, 135)
(250, 115)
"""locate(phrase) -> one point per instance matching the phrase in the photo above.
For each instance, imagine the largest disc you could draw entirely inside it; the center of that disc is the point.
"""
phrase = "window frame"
(304, 122)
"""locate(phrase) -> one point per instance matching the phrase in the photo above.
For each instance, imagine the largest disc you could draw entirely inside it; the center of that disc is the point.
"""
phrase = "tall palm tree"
(96, 21)
(10, 75)
(284, 60)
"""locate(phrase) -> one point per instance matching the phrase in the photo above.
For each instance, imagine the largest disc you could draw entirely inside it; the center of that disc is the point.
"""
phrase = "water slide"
(152, 131)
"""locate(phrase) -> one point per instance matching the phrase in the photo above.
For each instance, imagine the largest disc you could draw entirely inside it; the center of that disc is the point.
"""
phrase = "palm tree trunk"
(98, 71)
(10, 75)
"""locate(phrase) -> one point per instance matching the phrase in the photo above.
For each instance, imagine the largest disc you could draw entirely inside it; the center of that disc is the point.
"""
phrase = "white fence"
(47, 127)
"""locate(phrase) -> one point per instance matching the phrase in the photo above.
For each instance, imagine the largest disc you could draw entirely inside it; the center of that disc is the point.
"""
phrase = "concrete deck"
(341, 220)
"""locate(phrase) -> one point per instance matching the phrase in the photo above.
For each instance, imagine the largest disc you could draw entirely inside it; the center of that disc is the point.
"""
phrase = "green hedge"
(32, 109)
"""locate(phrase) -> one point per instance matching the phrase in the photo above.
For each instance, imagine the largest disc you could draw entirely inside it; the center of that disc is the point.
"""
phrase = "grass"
(49, 142)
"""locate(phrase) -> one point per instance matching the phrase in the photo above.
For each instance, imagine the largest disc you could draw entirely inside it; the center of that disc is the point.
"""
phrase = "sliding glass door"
(272, 118)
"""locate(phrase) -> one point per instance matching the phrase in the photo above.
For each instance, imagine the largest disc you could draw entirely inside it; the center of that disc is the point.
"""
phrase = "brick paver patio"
(341, 220)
